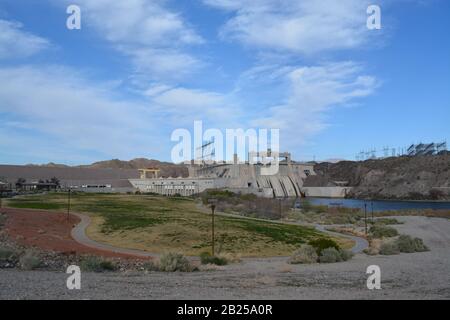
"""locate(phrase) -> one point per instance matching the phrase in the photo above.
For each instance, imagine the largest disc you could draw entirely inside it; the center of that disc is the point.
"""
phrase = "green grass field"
(159, 224)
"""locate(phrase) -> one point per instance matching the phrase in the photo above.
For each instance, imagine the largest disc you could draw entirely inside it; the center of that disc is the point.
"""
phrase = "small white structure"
(173, 186)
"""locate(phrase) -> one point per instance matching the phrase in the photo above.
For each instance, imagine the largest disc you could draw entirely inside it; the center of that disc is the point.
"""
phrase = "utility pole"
(68, 205)
(365, 217)
(279, 207)
(371, 204)
(213, 208)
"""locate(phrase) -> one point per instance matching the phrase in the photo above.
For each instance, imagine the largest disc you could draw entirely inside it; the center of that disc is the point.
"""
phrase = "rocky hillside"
(416, 178)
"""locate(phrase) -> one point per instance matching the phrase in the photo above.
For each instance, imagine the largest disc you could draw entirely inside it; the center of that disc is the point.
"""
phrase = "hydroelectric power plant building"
(243, 177)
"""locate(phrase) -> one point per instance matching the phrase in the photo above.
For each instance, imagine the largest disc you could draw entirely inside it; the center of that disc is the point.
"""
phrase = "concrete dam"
(246, 178)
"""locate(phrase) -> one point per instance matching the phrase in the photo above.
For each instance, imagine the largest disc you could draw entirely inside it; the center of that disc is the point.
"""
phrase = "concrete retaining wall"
(326, 192)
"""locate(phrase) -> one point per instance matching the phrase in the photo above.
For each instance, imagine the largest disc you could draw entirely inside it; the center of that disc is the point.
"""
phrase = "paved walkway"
(79, 234)
(360, 243)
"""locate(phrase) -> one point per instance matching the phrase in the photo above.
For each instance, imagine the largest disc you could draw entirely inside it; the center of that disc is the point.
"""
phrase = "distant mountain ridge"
(48, 165)
(168, 169)
(138, 163)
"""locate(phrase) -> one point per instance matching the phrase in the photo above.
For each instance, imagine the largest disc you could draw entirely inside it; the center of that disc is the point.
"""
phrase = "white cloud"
(156, 89)
(306, 26)
(185, 106)
(139, 22)
(150, 34)
(282, 30)
(16, 43)
(314, 91)
(225, 4)
(57, 108)
(74, 113)
(186, 98)
(162, 63)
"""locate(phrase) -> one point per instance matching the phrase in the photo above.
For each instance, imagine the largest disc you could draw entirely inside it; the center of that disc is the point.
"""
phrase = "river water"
(379, 205)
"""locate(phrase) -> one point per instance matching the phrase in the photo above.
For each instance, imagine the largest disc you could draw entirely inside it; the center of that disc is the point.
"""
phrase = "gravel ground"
(423, 275)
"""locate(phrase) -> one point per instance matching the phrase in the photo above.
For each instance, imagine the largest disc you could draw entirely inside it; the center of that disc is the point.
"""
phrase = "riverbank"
(380, 205)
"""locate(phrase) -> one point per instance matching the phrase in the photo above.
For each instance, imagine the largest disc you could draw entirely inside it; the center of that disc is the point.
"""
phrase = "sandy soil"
(406, 276)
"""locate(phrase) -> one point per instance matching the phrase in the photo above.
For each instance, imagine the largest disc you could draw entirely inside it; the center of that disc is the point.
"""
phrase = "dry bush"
(170, 262)
(8, 256)
(330, 255)
(97, 264)
(29, 261)
(230, 257)
(407, 244)
(389, 248)
(381, 231)
(346, 254)
(374, 247)
(207, 258)
(306, 254)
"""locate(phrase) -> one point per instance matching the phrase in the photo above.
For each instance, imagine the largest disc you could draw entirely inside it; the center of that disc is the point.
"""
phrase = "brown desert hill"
(418, 178)
(167, 169)
(114, 172)
(48, 165)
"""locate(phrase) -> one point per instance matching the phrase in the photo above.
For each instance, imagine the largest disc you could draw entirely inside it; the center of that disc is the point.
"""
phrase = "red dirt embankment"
(49, 231)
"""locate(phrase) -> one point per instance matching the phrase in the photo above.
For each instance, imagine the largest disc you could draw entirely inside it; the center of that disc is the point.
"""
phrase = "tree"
(55, 180)
(20, 182)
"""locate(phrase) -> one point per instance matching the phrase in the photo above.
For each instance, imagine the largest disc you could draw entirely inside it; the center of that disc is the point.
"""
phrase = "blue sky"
(139, 69)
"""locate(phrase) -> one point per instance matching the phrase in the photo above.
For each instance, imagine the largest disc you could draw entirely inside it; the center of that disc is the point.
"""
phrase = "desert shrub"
(248, 204)
(379, 231)
(304, 255)
(420, 246)
(408, 244)
(29, 261)
(374, 247)
(7, 254)
(371, 251)
(108, 265)
(230, 257)
(346, 255)
(321, 244)
(330, 255)
(389, 248)
(207, 258)
(171, 262)
(97, 264)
